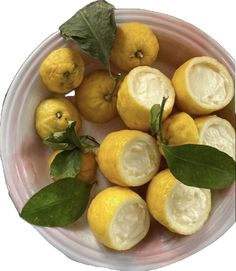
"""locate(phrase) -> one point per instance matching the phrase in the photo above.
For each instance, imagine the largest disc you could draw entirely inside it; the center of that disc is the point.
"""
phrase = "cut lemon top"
(202, 85)
(118, 218)
(128, 158)
(142, 88)
(218, 133)
(182, 209)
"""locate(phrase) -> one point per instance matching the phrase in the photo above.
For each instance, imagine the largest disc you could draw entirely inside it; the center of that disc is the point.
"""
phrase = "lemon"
(141, 89)
(62, 70)
(88, 166)
(202, 85)
(182, 209)
(128, 158)
(52, 115)
(118, 218)
(218, 133)
(135, 45)
(93, 97)
(179, 129)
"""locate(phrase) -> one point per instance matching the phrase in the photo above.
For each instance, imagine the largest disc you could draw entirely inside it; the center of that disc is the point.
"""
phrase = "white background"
(23, 25)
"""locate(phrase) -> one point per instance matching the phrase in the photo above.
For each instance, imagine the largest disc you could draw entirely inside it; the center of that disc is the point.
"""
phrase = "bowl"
(24, 157)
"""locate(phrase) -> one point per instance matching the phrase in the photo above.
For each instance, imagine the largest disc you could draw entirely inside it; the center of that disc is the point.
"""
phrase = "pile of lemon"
(118, 217)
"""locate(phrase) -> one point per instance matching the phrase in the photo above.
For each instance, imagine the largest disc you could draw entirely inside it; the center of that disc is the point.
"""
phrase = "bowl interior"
(25, 157)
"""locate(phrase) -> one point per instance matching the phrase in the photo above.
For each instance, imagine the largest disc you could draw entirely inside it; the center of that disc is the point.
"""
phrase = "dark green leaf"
(156, 114)
(66, 164)
(57, 204)
(200, 165)
(58, 141)
(154, 119)
(94, 28)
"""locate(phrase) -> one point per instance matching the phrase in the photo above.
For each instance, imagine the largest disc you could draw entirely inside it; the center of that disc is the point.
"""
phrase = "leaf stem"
(108, 97)
(160, 137)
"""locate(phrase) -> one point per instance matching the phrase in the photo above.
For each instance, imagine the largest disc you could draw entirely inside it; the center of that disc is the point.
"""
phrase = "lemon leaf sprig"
(94, 28)
(194, 164)
(67, 163)
(58, 204)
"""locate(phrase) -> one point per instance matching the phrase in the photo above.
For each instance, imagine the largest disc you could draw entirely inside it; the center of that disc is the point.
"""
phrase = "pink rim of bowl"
(19, 191)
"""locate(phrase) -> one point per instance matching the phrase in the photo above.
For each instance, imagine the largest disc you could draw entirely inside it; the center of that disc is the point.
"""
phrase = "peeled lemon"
(128, 157)
(52, 115)
(179, 129)
(88, 166)
(118, 218)
(180, 208)
(218, 133)
(202, 85)
(62, 70)
(135, 44)
(141, 89)
(93, 97)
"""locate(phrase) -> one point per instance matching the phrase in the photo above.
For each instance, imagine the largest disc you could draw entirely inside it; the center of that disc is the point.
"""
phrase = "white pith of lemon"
(118, 218)
(218, 133)
(141, 89)
(182, 209)
(128, 157)
(202, 85)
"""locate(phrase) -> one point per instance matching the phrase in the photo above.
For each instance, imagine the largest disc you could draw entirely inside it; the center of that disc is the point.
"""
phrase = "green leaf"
(200, 165)
(66, 164)
(58, 204)
(88, 143)
(155, 119)
(94, 28)
(58, 141)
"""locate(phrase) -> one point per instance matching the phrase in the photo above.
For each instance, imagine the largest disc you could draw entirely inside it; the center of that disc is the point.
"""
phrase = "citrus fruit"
(202, 85)
(88, 166)
(135, 45)
(179, 129)
(141, 89)
(118, 218)
(94, 99)
(52, 115)
(180, 208)
(62, 70)
(128, 158)
(217, 132)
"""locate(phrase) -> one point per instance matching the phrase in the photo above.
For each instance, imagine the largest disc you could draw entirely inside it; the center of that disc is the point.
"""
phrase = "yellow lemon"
(180, 129)
(141, 89)
(118, 218)
(128, 157)
(94, 97)
(62, 70)
(182, 209)
(202, 85)
(218, 133)
(88, 166)
(52, 115)
(135, 45)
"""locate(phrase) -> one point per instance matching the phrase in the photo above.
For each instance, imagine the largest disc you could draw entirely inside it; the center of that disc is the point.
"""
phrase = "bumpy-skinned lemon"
(182, 209)
(135, 45)
(141, 89)
(202, 85)
(52, 115)
(94, 97)
(218, 133)
(62, 70)
(118, 218)
(128, 157)
(88, 165)
(179, 129)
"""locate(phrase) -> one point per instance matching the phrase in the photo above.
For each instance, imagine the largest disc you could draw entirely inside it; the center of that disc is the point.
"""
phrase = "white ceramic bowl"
(24, 156)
